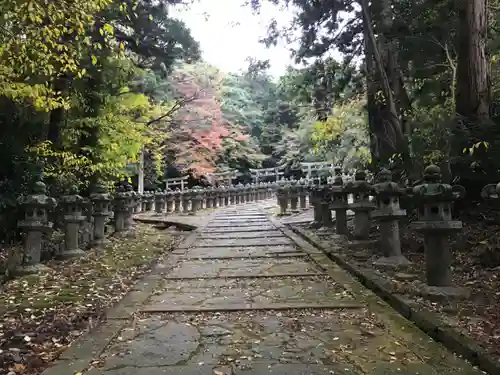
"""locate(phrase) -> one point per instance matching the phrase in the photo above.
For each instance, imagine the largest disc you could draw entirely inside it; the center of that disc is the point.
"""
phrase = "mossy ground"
(43, 313)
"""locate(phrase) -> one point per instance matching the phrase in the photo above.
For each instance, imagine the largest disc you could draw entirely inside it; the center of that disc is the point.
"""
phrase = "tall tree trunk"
(473, 90)
(391, 60)
(372, 88)
(140, 175)
(392, 128)
(57, 115)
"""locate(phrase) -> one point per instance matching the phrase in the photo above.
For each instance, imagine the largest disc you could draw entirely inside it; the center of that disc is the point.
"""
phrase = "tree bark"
(372, 108)
(473, 90)
(392, 128)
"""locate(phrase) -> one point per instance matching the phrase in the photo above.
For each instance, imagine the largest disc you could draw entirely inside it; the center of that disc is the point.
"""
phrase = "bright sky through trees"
(228, 33)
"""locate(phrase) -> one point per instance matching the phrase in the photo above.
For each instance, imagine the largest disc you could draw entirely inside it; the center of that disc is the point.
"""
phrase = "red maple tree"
(199, 127)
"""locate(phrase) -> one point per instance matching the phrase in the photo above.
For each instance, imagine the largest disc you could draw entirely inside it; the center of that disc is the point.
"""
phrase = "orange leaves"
(198, 143)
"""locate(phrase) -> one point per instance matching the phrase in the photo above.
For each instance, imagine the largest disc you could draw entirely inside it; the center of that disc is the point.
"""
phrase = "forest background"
(87, 87)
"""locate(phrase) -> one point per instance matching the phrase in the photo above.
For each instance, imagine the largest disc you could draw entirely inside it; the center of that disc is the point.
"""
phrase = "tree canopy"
(87, 87)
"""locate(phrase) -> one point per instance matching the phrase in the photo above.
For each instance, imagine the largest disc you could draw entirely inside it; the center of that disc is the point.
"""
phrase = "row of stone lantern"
(121, 205)
(197, 198)
(296, 195)
(36, 222)
(433, 198)
(292, 195)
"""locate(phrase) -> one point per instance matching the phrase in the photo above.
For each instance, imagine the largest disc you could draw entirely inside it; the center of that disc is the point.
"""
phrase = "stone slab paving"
(230, 242)
(315, 290)
(241, 235)
(276, 309)
(242, 267)
(228, 228)
(185, 220)
(240, 226)
(349, 342)
(246, 216)
(236, 218)
(240, 252)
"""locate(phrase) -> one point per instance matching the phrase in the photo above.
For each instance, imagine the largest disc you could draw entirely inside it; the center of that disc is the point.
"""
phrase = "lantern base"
(32, 269)
(100, 242)
(70, 254)
(394, 262)
(440, 293)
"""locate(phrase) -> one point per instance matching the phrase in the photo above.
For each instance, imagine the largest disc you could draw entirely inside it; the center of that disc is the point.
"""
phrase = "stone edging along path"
(425, 320)
(79, 356)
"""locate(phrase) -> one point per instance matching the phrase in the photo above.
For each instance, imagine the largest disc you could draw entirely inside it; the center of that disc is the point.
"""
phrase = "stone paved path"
(245, 299)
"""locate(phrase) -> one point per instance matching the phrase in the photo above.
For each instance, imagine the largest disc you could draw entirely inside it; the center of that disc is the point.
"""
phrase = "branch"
(178, 105)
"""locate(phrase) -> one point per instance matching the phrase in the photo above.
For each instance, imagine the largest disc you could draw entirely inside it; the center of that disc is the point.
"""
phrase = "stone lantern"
(388, 213)
(435, 200)
(144, 198)
(314, 201)
(294, 196)
(186, 198)
(491, 193)
(264, 191)
(252, 190)
(240, 197)
(159, 197)
(226, 195)
(248, 192)
(215, 197)
(325, 209)
(339, 204)
(169, 200)
(282, 194)
(35, 223)
(131, 199)
(148, 199)
(138, 203)
(362, 206)
(302, 194)
(209, 197)
(196, 198)
(242, 192)
(101, 202)
(258, 191)
(177, 201)
(72, 206)
(249, 188)
(270, 190)
(203, 192)
(232, 194)
(220, 196)
(121, 208)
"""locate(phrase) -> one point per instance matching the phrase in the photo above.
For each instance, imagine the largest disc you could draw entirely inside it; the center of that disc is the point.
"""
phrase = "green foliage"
(78, 94)
(344, 137)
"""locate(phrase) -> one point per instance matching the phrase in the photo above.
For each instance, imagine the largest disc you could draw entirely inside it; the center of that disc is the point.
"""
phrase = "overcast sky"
(228, 33)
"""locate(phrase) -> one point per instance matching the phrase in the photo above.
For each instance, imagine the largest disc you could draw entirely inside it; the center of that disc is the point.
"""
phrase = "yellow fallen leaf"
(18, 367)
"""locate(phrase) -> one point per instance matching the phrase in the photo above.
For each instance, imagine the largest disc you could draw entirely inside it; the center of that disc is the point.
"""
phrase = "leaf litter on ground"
(41, 315)
(475, 266)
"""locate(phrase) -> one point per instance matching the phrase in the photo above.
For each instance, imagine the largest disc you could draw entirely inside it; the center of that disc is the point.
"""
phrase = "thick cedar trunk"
(473, 90)
(372, 108)
(391, 130)
(391, 59)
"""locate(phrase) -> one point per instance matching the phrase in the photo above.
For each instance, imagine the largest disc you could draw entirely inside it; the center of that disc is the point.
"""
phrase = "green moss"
(96, 277)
